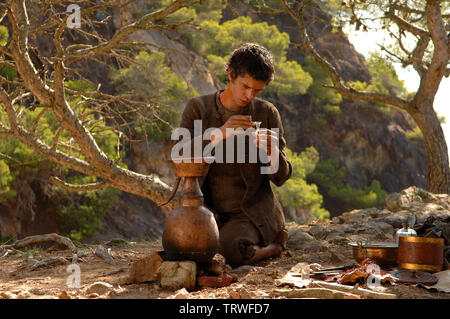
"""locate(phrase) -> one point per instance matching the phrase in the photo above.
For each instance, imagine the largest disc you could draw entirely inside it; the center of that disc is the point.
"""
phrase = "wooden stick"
(321, 293)
(36, 239)
(51, 261)
(103, 253)
(354, 290)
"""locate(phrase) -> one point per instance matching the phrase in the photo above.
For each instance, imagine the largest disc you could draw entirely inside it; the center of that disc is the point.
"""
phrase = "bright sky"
(367, 42)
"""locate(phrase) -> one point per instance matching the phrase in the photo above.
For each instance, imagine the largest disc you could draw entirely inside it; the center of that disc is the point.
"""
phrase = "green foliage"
(11, 148)
(82, 213)
(5, 181)
(182, 15)
(326, 100)
(216, 41)
(384, 78)
(296, 192)
(370, 196)
(264, 5)
(376, 88)
(3, 35)
(415, 135)
(216, 65)
(105, 137)
(79, 85)
(7, 239)
(318, 91)
(209, 10)
(205, 9)
(8, 72)
(151, 76)
(291, 79)
(46, 130)
(329, 177)
(332, 110)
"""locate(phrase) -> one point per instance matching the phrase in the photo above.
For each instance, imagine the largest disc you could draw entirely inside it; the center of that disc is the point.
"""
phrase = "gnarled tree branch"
(78, 188)
(51, 93)
(331, 70)
(143, 23)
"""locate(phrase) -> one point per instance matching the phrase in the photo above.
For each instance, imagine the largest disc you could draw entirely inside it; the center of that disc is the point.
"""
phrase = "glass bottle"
(405, 231)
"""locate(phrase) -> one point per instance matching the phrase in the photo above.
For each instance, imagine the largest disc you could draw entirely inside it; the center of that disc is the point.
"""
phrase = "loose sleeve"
(192, 119)
(285, 167)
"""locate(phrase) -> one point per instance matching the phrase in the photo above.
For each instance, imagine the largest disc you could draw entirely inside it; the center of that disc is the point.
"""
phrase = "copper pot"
(383, 253)
(420, 253)
(190, 231)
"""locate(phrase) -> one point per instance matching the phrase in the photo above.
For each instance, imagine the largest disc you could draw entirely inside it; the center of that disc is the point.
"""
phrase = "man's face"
(244, 88)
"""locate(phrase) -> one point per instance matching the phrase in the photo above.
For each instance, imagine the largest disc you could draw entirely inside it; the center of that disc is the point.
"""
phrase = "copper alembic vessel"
(190, 231)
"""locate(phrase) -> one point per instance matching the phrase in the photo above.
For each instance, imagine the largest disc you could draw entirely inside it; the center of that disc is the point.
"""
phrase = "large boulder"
(298, 239)
(419, 202)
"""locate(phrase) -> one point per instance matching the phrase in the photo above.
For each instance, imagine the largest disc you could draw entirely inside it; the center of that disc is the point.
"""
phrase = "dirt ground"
(17, 281)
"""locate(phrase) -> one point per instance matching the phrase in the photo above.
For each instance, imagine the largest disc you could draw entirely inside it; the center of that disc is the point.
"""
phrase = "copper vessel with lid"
(420, 253)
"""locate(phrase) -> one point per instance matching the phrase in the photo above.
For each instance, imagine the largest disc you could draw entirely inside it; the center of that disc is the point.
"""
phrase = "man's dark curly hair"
(251, 59)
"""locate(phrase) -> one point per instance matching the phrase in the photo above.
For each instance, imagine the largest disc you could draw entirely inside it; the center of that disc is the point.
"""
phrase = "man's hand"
(234, 122)
(237, 121)
(266, 140)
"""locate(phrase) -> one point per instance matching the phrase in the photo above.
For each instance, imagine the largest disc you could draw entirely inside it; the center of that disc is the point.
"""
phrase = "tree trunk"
(436, 147)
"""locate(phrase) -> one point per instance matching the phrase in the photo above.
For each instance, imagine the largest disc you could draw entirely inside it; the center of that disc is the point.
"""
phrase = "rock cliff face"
(368, 144)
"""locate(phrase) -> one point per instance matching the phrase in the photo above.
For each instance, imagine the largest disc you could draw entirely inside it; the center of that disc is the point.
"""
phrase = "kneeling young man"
(250, 218)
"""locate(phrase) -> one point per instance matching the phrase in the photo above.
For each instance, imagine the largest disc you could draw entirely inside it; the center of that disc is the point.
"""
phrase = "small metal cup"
(257, 125)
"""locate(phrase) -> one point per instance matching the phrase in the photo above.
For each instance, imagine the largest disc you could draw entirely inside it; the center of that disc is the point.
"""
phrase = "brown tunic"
(258, 202)
(228, 174)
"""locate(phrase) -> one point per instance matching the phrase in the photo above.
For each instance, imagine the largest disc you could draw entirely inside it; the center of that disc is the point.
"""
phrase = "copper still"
(190, 231)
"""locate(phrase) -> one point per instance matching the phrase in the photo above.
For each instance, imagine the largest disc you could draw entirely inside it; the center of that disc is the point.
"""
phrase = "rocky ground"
(43, 271)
